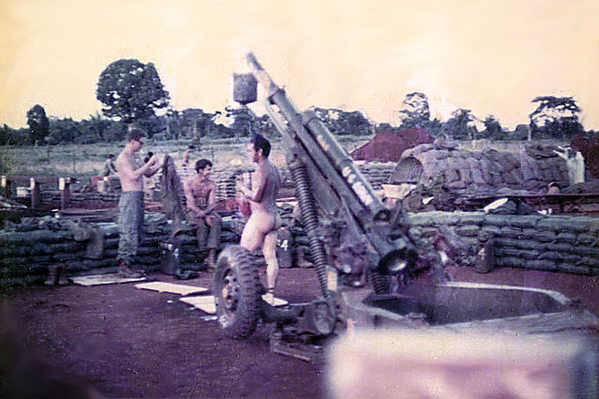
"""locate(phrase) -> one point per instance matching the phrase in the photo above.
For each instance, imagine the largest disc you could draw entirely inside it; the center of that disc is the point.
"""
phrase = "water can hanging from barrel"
(245, 88)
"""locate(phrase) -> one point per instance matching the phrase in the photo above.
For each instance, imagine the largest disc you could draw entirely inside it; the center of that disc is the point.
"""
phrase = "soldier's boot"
(211, 259)
(52, 275)
(126, 271)
(61, 271)
(300, 260)
(269, 297)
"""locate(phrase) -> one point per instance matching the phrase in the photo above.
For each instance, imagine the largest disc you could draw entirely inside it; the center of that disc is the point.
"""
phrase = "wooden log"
(64, 185)
(36, 198)
(7, 187)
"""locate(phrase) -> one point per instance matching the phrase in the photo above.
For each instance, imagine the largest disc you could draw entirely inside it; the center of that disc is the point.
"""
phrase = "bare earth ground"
(143, 344)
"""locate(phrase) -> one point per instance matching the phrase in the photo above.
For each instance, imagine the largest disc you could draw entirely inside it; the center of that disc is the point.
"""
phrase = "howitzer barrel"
(332, 157)
(344, 164)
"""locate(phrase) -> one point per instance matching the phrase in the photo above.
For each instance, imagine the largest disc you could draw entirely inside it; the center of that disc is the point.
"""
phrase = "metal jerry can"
(284, 248)
(170, 256)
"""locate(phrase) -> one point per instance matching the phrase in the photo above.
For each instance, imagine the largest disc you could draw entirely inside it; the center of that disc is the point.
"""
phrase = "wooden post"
(36, 194)
(6, 187)
(64, 185)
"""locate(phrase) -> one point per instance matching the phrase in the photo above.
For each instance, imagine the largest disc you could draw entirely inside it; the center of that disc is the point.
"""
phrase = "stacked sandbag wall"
(27, 249)
(489, 170)
(537, 242)
(376, 173)
(26, 255)
(78, 199)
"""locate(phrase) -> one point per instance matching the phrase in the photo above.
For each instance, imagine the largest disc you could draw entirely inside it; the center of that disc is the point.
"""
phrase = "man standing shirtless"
(131, 203)
(200, 193)
(261, 228)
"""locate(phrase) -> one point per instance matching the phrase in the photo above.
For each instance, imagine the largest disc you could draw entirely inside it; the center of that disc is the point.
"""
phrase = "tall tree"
(555, 117)
(493, 128)
(38, 124)
(244, 121)
(174, 124)
(415, 112)
(458, 126)
(197, 123)
(131, 90)
(344, 123)
(64, 130)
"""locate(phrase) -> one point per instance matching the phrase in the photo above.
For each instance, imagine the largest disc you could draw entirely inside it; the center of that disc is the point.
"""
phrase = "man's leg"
(213, 239)
(251, 238)
(269, 249)
(129, 228)
(201, 233)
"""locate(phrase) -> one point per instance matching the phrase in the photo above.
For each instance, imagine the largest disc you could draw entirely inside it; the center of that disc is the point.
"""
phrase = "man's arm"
(154, 168)
(561, 152)
(256, 194)
(212, 194)
(126, 168)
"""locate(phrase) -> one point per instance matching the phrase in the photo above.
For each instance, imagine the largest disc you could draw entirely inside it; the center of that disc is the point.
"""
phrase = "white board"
(172, 288)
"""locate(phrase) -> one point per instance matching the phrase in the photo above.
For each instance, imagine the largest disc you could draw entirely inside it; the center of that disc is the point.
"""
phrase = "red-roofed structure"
(388, 145)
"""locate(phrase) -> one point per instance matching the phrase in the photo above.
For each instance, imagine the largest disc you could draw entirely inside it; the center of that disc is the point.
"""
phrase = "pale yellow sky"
(490, 56)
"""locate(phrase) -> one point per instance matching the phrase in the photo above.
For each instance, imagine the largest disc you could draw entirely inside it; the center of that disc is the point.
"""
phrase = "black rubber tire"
(237, 292)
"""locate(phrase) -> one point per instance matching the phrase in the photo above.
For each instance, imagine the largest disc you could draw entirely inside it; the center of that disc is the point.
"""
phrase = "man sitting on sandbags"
(200, 193)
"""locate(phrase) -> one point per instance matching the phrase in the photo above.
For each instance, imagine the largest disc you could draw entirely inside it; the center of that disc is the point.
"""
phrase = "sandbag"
(540, 265)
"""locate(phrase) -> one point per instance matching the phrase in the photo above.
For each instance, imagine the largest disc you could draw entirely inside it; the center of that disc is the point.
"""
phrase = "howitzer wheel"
(237, 292)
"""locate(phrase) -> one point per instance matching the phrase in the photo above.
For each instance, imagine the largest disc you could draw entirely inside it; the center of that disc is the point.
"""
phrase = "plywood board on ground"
(172, 288)
(101, 279)
(206, 303)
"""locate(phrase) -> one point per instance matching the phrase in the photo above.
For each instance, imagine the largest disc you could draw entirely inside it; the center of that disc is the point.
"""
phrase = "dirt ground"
(132, 343)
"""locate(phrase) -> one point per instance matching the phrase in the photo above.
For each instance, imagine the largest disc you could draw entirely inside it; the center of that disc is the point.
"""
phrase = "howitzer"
(367, 265)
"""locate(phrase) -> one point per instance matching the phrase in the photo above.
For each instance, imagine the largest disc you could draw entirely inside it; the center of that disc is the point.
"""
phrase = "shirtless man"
(131, 203)
(200, 193)
(261, 228)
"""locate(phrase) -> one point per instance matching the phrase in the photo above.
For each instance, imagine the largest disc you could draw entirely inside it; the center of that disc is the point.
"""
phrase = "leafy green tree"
(64, 130)
(196, 123)
(38, 124)
(244, 122)
(266, 126)
(116, 131)
(131, 91)
(8, 135)
(555, 117)
(458, 126)
(434, 127)
(173, 123)
(92, 130)
(383, 126)
(493, 128)
(344, 123)
(415, 112)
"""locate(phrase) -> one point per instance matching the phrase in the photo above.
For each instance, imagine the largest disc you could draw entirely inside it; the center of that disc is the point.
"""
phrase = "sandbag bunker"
(568, 244)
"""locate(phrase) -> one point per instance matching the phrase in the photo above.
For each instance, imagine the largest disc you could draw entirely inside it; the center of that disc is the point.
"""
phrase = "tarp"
(388, 145)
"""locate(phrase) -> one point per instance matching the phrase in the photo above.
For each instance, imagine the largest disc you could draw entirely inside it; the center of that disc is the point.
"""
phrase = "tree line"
(131, 93)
